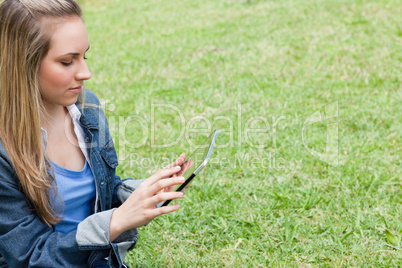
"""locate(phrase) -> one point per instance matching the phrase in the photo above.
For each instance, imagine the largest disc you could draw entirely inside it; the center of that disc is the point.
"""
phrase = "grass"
(169, 70)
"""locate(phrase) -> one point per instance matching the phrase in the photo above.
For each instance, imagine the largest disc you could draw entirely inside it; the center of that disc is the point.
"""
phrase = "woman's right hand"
(140, 208)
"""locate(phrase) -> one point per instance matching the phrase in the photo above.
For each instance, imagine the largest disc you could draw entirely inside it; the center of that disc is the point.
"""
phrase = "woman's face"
(63, 70)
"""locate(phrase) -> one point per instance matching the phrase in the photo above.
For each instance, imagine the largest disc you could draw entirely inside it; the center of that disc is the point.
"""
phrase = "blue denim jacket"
(26, 241)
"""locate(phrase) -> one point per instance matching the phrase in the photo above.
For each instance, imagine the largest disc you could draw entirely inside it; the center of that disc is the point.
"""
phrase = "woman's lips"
(76, 90)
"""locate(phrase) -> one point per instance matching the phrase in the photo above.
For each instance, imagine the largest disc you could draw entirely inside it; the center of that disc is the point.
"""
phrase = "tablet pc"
(199, 159)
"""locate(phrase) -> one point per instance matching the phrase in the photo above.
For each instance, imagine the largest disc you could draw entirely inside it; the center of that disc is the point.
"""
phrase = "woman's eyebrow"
(75, 53)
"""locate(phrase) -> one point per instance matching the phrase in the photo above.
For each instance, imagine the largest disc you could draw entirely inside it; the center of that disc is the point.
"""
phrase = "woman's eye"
(67, 63)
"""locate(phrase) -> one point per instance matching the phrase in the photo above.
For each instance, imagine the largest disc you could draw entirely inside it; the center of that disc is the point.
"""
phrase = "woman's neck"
(62, 142)
(55, 117)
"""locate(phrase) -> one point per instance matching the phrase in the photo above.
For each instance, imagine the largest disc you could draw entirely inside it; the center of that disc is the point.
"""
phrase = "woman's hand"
(139, 209)
(184, 166)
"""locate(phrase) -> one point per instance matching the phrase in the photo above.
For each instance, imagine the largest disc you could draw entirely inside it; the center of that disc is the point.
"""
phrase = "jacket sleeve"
(126, 187)
(26, 241)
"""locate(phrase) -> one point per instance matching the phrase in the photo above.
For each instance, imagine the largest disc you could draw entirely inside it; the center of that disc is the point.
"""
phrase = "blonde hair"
(25, 38)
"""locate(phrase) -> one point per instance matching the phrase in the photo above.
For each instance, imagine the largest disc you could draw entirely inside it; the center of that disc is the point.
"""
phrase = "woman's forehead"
(68, 35)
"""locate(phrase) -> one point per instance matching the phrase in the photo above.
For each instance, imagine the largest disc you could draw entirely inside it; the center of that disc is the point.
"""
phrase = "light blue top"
(76, 192)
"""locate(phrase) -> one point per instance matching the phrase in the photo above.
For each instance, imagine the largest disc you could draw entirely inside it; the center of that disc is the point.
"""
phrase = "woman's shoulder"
(3, 152)
(6, 167)
(91, 98)
(92, 114)
(89, 103)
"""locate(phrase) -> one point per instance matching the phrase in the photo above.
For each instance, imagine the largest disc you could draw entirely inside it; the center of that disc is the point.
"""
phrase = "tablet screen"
(197, 158)
(196, 161)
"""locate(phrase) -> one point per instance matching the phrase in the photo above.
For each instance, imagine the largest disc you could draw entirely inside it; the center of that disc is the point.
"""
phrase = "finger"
(155, 212)
(165, 184)
(161, 174)
(165, 196)
(179, 161)
(166, 209)
(186, 165)
(168, 189)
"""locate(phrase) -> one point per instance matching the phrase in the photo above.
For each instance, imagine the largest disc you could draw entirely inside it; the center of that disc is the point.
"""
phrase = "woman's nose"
(83, 72)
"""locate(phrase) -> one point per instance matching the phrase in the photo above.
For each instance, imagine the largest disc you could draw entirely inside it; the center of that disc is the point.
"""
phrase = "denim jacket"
(26, 241)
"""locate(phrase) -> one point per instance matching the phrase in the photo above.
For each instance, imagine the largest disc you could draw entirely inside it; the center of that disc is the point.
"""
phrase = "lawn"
(307, 170)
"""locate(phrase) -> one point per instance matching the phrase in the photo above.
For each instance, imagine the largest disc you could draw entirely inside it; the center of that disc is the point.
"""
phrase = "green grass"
(169, 66)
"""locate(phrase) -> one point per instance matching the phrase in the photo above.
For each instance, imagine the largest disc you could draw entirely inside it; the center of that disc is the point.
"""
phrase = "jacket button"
(103, 182)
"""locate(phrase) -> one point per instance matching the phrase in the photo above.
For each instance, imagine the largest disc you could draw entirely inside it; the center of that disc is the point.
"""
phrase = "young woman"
(61, 204)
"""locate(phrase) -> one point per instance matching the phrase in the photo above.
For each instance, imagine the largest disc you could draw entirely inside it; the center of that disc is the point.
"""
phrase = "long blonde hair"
(25, 37)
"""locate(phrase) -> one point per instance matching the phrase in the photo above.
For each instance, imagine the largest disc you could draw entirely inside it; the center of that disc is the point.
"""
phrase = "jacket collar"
(89, 116)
